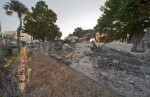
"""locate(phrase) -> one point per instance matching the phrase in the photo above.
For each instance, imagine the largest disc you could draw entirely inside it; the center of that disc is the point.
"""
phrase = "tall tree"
(20, 9)
(41, 23)
(108, 23)
(122, 17)
(136, 19)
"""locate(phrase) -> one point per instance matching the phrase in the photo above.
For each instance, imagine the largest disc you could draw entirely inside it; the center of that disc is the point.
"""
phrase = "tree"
(77, 31)
(108, 23)
(138, 21)
(20, 9)
(41, 23)
(124, 17)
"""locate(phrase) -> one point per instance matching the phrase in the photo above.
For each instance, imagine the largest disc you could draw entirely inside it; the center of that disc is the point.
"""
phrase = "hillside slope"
(122, 71)
(52, 79)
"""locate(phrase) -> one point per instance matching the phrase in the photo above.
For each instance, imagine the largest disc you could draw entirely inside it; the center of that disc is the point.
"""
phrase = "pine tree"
(41, 23)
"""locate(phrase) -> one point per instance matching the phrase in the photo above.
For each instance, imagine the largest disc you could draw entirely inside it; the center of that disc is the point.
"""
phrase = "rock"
(59, 58)
(146, 40)
(147, 55)
(122, 71)
(138, 55)
(69, 48)
(72, 38)
(73, 42)
(96, 48)
(65, 46)
(66, 62)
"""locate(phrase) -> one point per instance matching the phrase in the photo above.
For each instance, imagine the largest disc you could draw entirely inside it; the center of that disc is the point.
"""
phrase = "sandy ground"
(52, 79)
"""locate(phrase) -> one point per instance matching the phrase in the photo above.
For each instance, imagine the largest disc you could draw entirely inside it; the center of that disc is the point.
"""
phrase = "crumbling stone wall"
(45, 47)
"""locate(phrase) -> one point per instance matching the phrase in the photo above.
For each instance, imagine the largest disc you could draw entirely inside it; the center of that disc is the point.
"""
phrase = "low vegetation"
(14, 74)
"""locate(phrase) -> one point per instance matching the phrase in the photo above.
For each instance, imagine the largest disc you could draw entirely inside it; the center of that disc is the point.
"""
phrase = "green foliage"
(15, 75)
(77, 30)
(41, 23)
(15, 6)
(20, 9)
(66, 41)
(123, 16)
(9, 60)
(109, 22)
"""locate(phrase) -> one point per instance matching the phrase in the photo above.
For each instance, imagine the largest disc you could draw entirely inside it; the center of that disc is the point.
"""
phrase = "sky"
(70, 14)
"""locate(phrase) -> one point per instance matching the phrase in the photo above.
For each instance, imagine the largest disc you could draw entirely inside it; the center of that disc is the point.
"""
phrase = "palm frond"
(6, 7)
(9, 12)
(15, 6)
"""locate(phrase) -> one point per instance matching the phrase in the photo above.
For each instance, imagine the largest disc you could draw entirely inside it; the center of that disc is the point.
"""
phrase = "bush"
(66, 41)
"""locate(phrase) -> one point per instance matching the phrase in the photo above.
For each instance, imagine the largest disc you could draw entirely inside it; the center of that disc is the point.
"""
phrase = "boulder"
(54, 56)
(67, 48)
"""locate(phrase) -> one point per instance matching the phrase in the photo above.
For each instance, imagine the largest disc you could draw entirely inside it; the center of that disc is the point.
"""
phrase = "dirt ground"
(49, 78)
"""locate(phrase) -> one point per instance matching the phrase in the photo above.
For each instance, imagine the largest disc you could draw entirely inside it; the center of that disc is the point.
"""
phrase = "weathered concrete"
(123, 72)
(120, 46)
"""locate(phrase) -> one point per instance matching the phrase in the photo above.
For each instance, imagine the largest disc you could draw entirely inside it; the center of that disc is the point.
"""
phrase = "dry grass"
(51, 79)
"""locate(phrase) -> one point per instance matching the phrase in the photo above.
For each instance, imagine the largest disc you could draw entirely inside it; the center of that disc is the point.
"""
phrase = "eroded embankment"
(52, 79)
(123, 72)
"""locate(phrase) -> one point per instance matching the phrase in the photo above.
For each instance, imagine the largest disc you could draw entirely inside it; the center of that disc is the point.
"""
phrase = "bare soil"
(49, 78)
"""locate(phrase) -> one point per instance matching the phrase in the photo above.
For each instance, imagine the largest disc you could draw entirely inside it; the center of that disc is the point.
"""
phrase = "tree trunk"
(18, 33)
(130, 38)
(136, 40)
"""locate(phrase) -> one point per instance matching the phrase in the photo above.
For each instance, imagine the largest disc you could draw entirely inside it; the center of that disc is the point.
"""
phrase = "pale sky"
(70, 14)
